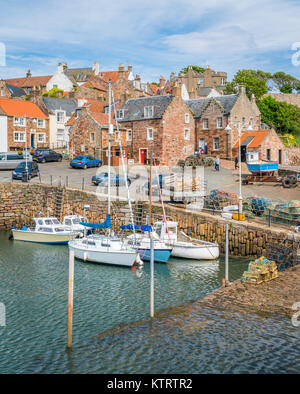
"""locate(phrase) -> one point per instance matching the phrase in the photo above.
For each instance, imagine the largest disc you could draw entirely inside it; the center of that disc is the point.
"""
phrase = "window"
(243, 121)
(41, 123)
(219, 123)
(149, 134)
(129, 135)
(205, 123)
(235, 122)
(120, 114)
(222, 81)
(92, 137)
(19, 137)
(148, 112)
(60, 117)
(60, 134)
(2, 92)
(41, 137)
(251, 122)
(187, 118)
(187, 134)
(55, 86)
(216, 144)
(201, 81)
(19, 121)
(117, 136)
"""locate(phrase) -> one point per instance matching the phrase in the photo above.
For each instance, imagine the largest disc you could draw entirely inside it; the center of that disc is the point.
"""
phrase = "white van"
(10, 160)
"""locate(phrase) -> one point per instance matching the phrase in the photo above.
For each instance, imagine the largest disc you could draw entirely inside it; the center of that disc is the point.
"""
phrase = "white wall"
(3, 134)
(54, 125)
(61, 80)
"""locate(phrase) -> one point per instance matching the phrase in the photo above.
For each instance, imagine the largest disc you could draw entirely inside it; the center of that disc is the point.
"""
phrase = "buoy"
(134, 266)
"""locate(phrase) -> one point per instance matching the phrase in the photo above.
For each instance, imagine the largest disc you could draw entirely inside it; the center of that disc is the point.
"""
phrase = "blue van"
(32, 167)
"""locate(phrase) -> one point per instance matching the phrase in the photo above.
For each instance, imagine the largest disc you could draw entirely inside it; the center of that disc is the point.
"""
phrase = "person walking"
(217, 164)
(236, 162)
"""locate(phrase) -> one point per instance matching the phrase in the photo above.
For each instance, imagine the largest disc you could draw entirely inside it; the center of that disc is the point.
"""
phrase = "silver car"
(10, 160)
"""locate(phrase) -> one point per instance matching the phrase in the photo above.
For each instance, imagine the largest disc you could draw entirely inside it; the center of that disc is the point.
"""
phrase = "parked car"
(43, 155)
(155, 188)
(85, 162)
(115, 180)
(32, 168)
(10, 160)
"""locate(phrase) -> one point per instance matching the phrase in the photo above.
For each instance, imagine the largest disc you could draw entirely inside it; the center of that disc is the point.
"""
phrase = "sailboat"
(162, 251)
(105, 249)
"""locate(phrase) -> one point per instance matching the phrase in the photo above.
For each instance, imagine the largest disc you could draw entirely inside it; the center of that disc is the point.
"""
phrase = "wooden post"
(70, 299)
(151, 278)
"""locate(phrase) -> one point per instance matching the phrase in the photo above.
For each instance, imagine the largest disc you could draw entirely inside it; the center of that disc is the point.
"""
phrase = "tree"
(55, 92)
(197, 69)
(255, 82)
(286, 83)
(283, 117)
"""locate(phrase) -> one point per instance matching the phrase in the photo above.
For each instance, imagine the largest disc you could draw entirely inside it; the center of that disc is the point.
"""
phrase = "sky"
(155, 36)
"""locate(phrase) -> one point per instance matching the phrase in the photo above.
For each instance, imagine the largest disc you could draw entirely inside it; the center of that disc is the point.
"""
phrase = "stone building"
(29, 82)
(212, 115)
(10, 91)
(196, 82)
(88, 134)
(161, 125)
(266, 142)
(22, 124)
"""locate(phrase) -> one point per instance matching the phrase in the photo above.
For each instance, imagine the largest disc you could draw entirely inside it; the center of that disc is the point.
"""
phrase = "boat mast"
(109, 144)
(150, 192)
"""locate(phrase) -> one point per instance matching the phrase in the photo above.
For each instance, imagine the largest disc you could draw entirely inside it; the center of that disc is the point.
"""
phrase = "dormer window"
(148, 112)
(120, 113)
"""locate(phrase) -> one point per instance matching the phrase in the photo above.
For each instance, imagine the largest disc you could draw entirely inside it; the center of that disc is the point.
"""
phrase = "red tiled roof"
(101, 118)
(111, 75)
(13, 107)
(154, 87)
(258, 137)
(71, 120)
(36, 81)
(16, 81)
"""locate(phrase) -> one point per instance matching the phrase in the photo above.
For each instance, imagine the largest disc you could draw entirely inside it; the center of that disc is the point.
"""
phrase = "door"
(32, 141)
(268, 154)
(280, 156)
(243, 153)
(143, 156)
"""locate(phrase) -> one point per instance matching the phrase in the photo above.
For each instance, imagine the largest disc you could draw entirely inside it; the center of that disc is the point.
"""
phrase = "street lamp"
(228, 130)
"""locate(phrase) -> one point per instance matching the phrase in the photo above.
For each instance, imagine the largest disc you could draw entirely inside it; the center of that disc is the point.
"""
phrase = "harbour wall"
(20, 202)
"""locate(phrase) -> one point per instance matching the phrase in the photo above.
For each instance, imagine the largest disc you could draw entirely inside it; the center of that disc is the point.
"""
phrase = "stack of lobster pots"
(259, 271)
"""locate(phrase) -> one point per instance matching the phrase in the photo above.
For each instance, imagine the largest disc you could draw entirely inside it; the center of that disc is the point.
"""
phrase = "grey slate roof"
(198, 105)
(78, 74)
(15, 91)
(54, 104)
(134, 108)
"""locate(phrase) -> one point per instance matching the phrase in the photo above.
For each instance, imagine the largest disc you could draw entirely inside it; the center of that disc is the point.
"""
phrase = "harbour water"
(112, 332)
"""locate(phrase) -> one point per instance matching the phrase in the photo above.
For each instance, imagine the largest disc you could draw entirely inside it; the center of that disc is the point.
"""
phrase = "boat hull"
(202, 252)
(262, 168)
(160, 255)
(121, 258)
(38, 237)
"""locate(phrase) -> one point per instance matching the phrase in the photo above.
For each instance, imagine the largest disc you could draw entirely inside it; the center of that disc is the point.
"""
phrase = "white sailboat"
(194, 249)
(105, 250)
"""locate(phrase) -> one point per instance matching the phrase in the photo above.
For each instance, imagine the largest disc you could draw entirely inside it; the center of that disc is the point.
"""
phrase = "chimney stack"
(130, 68)
(65, 67)
(96, 68)
(121, 71)
(176, 90)
(162, 81)
(242, 89)
(28, 75)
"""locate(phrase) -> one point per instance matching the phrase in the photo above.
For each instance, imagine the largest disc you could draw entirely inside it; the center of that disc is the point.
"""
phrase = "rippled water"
(33, 287)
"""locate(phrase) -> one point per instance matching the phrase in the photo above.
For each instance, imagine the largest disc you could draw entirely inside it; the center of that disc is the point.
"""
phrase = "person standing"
(236, 162)
(217, 164)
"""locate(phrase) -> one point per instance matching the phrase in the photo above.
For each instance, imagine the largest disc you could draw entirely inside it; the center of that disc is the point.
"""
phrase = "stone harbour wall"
(20, 202)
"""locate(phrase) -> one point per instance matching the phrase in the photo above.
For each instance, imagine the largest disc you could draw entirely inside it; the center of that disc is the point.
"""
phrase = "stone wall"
(293, 99)
(19, 203)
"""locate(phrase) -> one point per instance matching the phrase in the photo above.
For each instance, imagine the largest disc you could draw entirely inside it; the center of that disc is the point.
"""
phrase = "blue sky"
(157, 37)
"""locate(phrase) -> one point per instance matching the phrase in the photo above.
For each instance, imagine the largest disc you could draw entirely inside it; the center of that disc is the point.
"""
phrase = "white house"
(60, 111)
(60, 80)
